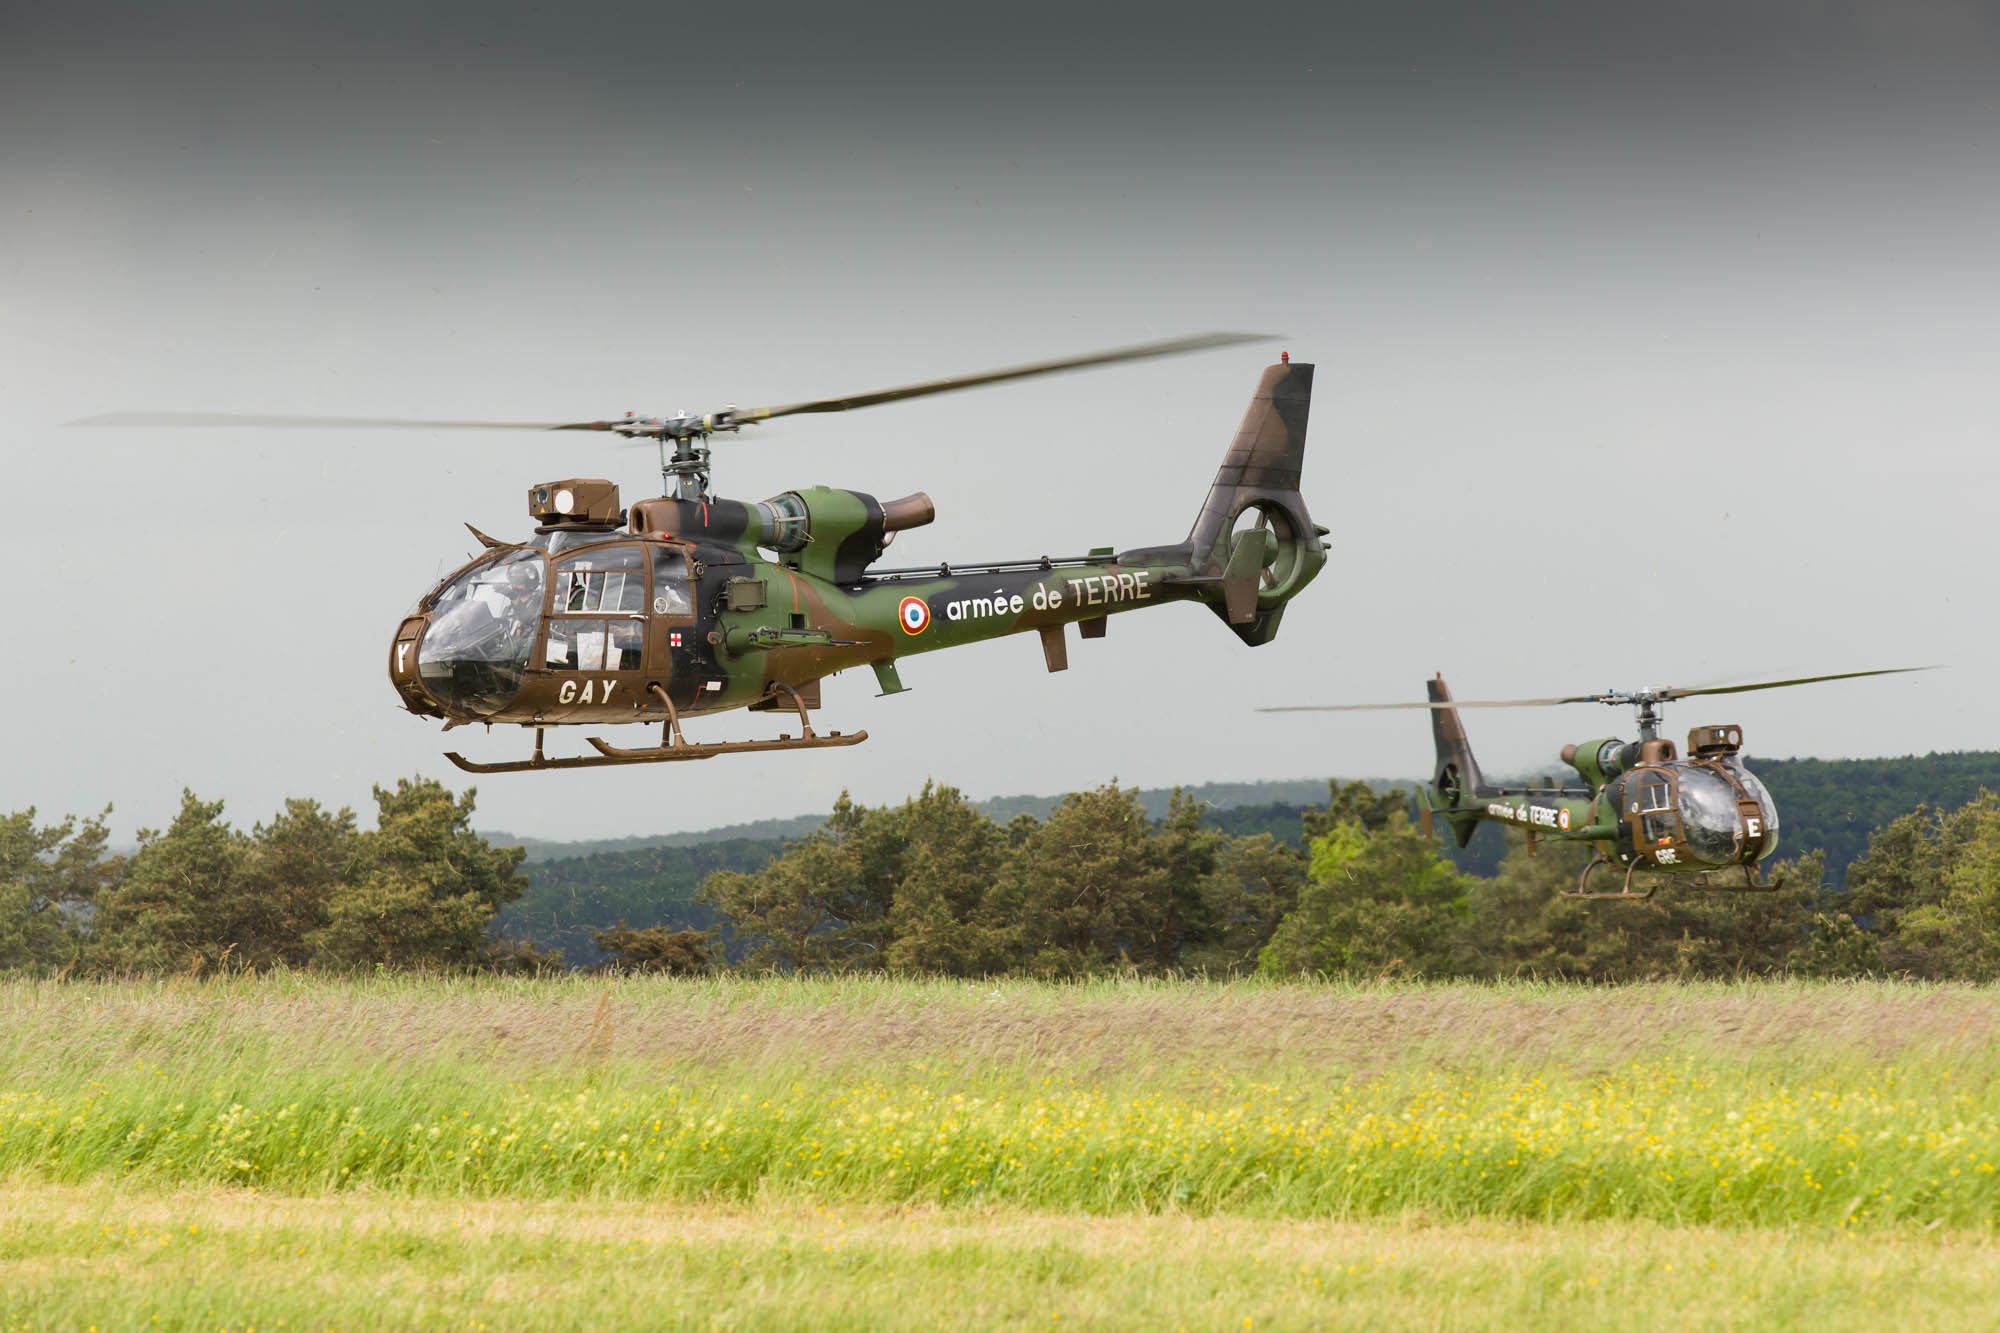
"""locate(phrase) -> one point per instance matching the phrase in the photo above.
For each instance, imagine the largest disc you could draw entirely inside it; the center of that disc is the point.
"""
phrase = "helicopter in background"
(1643, 806)
(692, 603)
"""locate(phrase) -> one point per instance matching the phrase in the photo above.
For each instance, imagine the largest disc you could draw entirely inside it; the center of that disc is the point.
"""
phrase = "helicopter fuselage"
(680, 611)
(690, 604)
(1644, 806)
(594, 624)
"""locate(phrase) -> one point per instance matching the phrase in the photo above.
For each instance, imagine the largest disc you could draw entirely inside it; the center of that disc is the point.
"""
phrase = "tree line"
(307, 890)
(933, 886)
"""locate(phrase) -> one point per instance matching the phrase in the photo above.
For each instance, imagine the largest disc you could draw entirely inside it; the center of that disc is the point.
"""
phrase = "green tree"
(1088, 891)
(1254, 886)
(821, 906)
(1522, 925)
(175, 908)
(291, 871)
(1835, 945)
(50, 877)
(680, 953)
(423, 888)
(1956, 929)
(1724, 932)
(1354, 803)
(1376, 903)
(1916, 890)
(948, 859)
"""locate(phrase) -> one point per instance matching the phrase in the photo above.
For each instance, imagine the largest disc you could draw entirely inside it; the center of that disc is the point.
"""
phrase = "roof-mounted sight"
(1715, 740)
(578, 501)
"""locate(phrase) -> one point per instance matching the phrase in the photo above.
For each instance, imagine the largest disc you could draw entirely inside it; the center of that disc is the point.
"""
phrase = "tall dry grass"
(1101, 1030)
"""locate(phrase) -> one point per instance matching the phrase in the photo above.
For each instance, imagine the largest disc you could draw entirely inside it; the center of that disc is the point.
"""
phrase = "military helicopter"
(690, 603)
(1643, 807)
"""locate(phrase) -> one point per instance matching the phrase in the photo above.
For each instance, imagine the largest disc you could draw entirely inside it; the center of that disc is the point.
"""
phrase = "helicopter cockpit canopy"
(482, 632)
(1713, 815)
(579, 599)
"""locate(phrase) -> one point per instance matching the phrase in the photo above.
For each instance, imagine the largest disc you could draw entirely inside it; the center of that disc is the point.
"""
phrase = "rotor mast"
(684, 472)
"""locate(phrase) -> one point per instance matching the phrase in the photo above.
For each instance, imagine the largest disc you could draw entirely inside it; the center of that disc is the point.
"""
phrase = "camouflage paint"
(1611, 816)
(772, 611)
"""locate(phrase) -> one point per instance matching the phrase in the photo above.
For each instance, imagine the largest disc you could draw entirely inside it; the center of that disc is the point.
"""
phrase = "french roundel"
(915, 614)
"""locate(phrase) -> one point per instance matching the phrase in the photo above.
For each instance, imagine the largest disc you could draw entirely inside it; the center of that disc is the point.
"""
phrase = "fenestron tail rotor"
(689, 432)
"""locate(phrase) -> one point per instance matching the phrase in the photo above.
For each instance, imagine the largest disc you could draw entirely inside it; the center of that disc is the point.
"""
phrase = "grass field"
(575, 1152)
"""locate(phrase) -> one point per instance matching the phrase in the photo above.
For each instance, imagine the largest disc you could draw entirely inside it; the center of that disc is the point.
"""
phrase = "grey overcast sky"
(1656, 345)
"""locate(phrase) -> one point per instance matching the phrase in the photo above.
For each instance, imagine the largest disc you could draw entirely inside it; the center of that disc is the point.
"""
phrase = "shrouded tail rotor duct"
(1254, 529)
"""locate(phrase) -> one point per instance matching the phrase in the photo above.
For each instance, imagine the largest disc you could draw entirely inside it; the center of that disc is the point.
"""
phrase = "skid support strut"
(674, 747)
(1582, 889)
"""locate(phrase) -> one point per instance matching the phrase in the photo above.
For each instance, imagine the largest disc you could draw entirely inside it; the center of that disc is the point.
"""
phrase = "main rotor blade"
(1139, 352)
(269, 420)
(1780, 684)
(1451, 703)
(1169, 347)
(1614, 697)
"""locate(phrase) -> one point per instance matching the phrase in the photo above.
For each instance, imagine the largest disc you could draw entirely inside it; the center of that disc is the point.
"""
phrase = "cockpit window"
(558, 540)
(482, 632)
(592, 645)
(1656, 808)
(1756, 791)
(670, 583)
(613, 579)
(1708, 813)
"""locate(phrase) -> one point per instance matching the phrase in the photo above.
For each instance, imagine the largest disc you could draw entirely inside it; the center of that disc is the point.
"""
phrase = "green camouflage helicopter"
(690, 603)
(1643, 807)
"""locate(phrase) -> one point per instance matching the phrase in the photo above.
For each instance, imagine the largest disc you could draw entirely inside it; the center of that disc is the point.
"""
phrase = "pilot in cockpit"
(523, 609)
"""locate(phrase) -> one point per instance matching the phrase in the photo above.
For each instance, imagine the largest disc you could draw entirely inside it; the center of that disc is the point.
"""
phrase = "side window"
(670, 583)
(1656, 808)
(622, 653)
(594, 645)
(609, 579)
(576, 645)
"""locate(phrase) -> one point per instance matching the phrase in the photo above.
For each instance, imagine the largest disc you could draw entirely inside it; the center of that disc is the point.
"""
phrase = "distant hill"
(569, 900)
(1299, 792)
(762, 830)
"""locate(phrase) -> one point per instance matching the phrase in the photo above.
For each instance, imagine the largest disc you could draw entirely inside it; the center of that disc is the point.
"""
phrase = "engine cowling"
(835, 533)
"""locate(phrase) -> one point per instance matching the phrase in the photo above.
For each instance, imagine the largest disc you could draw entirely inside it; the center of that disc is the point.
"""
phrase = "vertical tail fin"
(1456, 778)
(1254, 530)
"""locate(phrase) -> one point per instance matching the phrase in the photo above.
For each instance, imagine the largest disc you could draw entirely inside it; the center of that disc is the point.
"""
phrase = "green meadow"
(400, 1152)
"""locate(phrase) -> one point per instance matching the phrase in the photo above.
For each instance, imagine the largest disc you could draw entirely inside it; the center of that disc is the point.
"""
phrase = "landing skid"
(1582, 889)
(1702, 884)
(673, 747)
